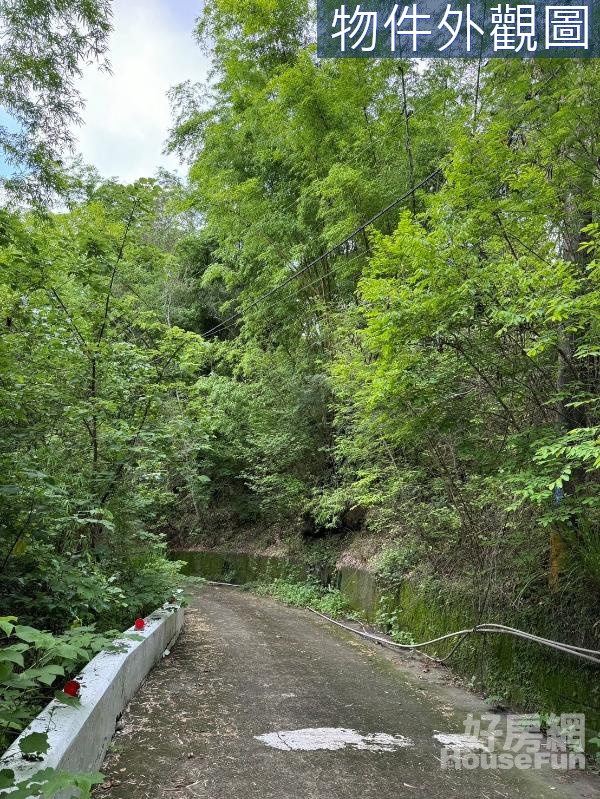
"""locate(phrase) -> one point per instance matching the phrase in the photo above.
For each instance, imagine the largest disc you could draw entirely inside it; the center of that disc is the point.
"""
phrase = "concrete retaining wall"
(79, 736)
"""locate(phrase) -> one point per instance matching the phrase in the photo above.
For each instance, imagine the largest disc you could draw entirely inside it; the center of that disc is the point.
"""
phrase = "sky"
(127, 116)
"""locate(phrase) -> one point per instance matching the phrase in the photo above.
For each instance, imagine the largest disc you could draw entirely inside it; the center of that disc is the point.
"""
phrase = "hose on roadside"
(590, 655)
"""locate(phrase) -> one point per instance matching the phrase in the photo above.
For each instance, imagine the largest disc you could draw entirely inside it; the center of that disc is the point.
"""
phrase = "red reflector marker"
(72, 688)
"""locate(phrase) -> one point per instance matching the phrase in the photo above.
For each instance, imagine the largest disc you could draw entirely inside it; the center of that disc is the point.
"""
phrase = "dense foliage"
(92, 376)
(432, 382)
(180, 361)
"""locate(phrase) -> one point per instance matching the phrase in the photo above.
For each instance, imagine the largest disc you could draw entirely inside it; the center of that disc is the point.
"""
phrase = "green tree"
(93, 382)
(44, 46)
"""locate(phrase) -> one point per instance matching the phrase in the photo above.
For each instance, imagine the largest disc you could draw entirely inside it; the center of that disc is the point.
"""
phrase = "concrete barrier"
(79, 737)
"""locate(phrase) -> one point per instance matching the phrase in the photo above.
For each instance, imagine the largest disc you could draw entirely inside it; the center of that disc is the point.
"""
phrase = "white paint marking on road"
(314, 738)
(468, 743)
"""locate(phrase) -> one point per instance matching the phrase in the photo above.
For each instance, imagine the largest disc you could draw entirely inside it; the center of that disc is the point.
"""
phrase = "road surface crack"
(284, 742)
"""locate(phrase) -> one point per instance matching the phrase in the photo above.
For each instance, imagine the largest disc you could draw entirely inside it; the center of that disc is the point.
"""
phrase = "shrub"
(392, 565)
(307, 595)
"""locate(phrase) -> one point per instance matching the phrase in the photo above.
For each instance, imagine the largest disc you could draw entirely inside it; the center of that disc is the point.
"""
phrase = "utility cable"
(591, 655)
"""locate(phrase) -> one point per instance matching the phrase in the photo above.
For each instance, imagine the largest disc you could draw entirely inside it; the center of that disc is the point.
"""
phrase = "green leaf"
(6, 624)
(46, 675)
(29, 634)
(36, 744)
(56, 781)
(65, 699)
(48, 783)
(12, 654)
(67, 651)
(7, 778)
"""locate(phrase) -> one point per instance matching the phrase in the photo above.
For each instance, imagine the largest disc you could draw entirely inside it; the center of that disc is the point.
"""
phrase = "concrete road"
(216, 718)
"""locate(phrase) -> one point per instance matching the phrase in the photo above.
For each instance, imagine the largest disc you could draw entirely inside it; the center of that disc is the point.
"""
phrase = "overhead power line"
(230, 319)
(321, 278)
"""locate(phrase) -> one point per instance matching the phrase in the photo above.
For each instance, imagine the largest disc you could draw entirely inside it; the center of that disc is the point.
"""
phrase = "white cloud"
(127, 115)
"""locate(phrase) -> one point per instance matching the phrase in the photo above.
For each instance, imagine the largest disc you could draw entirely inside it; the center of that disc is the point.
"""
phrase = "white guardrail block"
(79, 737)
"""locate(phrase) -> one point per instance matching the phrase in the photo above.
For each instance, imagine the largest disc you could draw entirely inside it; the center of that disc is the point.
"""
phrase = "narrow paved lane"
(246, 667)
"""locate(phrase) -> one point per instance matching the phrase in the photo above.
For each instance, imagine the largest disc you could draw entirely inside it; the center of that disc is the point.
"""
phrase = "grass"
(307, 594)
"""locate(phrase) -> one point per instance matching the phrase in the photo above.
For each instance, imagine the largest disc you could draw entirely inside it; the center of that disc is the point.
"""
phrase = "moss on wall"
(235, 567)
